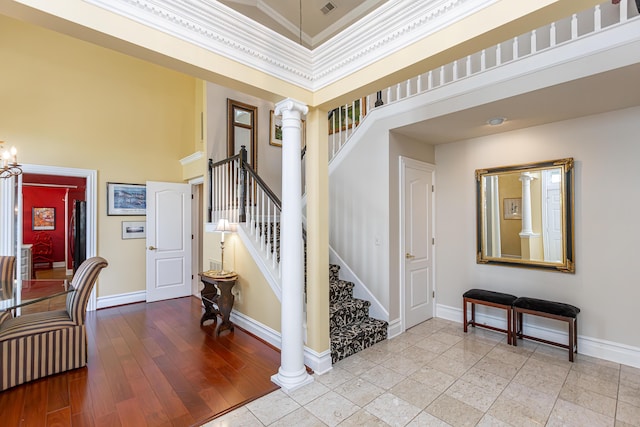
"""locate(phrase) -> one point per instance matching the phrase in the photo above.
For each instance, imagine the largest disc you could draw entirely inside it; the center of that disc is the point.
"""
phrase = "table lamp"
(223, 227)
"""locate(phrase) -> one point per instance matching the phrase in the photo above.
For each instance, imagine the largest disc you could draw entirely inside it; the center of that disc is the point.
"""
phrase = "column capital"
(526, 176)
(290, 104)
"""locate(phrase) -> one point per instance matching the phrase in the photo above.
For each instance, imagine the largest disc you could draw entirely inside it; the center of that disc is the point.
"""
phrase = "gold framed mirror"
(525, 215)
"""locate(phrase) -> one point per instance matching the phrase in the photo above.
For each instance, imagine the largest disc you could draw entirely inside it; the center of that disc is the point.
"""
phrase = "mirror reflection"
(525, 215)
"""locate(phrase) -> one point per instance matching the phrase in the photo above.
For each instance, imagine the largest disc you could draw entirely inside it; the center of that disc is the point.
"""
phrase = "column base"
(289, 382)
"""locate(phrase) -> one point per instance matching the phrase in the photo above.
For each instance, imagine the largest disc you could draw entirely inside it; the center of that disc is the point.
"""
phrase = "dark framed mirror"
(242, 130)
(525, 215)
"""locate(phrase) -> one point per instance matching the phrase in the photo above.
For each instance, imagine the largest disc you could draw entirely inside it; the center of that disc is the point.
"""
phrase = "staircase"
(350, 327)
(254, 204)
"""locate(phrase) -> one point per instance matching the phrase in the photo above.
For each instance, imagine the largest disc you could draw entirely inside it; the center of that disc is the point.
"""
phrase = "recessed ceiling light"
(496, 121)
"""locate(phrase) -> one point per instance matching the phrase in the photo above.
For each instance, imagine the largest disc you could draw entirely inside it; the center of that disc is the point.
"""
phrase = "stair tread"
(366, 325)
(348, 303)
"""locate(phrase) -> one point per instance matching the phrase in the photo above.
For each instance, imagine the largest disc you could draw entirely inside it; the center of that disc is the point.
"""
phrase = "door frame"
(197, 231)
(428, 167)
(91, 196)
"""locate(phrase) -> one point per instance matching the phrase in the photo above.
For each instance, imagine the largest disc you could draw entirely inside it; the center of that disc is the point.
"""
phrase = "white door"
(417, 232)
(168, 240)
(552, 216)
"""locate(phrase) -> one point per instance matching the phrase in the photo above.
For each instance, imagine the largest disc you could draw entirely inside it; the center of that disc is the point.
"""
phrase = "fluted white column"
(527, 228)
(292, 373)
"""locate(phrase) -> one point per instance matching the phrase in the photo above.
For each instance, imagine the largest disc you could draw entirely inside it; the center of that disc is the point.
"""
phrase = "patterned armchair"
(7, 275)
(7, 272)
(35, 345)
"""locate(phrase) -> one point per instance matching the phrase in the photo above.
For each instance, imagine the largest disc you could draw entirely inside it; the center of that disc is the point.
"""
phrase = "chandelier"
(9, 163)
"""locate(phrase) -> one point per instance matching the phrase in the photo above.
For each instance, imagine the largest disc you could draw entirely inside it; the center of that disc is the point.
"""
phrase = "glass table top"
(21, 293)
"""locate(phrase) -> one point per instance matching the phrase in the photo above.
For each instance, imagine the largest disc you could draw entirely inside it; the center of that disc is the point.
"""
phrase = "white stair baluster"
(333, 135)
(234, 189)
(353, 117)
(468, 65)
(597, 18)
(419, 84)
(552, 34)
(498, 54)
(534, 42)
(483, 60)
(268, 230)
(516, 48)
(574, 26)
(263, 240)
(623, 10)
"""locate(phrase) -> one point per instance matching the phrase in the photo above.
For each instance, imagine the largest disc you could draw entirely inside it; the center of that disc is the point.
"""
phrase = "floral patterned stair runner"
(351, 328)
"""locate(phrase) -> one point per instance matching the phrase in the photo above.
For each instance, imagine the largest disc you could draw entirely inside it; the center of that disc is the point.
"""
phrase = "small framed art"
(43, 218)
(134, 229)
(513, 208)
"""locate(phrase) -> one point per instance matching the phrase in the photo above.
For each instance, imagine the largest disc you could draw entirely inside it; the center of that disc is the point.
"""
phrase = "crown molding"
(217, 28)
(221, 30)
(388, 29)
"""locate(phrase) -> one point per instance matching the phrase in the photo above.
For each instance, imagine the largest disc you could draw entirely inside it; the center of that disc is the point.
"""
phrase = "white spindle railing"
(239, 195)
(343, 125)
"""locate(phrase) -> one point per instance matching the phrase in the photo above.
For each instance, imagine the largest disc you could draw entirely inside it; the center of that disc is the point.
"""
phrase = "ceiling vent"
(328, 8)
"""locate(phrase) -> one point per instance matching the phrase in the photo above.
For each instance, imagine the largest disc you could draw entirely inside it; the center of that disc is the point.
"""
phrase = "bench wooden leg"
(464, 313)
(509, 326)
(575, 336)
(473, 314)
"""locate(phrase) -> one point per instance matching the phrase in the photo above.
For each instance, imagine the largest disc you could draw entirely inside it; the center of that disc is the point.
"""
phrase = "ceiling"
(286, 17)
(591, 95)
(595, 94)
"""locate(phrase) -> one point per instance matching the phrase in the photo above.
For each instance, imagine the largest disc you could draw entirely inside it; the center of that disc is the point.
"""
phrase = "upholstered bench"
(491, 299)
(551, 310)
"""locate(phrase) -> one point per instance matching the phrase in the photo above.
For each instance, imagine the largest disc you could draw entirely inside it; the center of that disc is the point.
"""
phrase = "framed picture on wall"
(43, 218)
(134, 229)
(513, 208)
(275, 131)
(126, 199)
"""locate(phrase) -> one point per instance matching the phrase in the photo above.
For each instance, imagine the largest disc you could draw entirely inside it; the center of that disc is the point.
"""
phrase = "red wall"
(50, 197)
(44, 197)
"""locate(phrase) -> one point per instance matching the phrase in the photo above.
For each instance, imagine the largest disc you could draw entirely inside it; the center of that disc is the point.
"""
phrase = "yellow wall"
(64, 102)
(510, 188)
(254, 296)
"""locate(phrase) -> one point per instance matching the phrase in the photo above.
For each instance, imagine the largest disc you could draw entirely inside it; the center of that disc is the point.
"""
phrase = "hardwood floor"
(149, 364)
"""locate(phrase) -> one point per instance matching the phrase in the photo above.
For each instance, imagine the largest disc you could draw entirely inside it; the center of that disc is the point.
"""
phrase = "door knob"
(152, 248)
(409, 256)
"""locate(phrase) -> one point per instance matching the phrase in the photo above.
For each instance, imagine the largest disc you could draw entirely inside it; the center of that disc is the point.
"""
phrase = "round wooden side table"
(217, 297)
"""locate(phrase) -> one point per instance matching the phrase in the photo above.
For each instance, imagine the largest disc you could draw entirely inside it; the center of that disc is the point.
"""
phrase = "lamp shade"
(223, 226)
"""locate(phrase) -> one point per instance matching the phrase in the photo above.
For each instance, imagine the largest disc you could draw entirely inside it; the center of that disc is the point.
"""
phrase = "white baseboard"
(395, 328)
(603, 349)
(319, 362)
(121, 299)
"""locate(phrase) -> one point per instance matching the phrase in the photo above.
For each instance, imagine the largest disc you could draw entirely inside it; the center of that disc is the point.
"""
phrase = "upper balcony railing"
(344, 120)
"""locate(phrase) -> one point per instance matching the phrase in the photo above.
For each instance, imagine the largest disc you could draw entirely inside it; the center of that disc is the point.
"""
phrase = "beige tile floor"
(436, 375)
